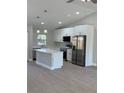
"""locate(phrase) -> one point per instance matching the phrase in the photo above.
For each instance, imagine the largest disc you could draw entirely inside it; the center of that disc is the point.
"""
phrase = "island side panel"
(44, 59)
(57, 60)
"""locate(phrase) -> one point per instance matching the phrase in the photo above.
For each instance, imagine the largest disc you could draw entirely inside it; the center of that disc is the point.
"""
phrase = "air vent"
(37, 17)
(45, 11)
(59, 28)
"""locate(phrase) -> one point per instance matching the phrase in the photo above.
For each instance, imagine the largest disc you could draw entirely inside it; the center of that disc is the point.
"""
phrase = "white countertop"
(48, 50)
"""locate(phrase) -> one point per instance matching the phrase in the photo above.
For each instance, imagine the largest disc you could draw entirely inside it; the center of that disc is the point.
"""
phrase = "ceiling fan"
(93, 1)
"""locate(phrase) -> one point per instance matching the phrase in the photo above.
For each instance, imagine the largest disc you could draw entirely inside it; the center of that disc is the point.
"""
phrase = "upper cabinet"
(81, 30)
(77, 30)
(58, 35)
(67, 31)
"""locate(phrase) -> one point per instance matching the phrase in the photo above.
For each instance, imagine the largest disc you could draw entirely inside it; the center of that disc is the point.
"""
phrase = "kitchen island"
(49, 58)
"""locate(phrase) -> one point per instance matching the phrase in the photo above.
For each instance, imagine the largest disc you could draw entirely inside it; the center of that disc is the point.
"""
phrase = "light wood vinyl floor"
(69, 79)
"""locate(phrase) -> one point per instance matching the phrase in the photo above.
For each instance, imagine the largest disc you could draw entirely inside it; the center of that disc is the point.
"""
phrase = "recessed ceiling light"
(38, 31)
(83, 0)
(42, 23)
(77, 13)
(60, 22)
(45, 31)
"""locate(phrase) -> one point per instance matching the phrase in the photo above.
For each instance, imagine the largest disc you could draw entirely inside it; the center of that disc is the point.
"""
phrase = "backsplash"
(61, 44)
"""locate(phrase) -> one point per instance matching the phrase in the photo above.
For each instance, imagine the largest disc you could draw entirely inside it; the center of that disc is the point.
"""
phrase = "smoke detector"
(45, 11)
(37, 17)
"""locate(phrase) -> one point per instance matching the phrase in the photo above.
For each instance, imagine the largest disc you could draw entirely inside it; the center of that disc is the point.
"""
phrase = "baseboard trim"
(95, 64)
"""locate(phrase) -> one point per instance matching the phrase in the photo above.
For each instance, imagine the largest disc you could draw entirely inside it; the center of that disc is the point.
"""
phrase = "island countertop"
(48, 50)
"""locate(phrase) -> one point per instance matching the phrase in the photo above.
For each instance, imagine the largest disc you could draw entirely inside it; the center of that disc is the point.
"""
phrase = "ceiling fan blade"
(94, 1)
(69, 1)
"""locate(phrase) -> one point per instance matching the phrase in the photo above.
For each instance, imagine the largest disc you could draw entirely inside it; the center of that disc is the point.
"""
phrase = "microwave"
(66, 38)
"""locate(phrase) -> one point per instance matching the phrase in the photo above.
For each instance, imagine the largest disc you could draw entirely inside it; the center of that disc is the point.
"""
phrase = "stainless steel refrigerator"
(79, 50)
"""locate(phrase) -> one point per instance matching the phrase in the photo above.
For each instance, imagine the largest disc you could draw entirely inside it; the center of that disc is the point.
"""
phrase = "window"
(41, 38)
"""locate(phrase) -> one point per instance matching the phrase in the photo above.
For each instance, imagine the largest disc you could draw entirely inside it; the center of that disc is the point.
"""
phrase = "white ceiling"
(57, 11)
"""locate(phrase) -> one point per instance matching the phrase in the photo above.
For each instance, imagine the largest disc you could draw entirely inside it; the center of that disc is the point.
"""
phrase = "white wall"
(89, 20)
(30, 42)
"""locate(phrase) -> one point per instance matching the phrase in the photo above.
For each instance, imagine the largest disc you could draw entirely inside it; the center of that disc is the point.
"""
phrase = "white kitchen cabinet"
(80, 30)
(72, 31)
(55, 35)
(67, 31)
(58, 36)
(69, 54)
